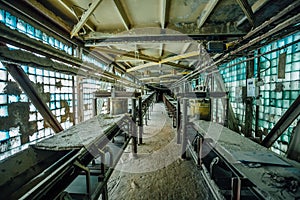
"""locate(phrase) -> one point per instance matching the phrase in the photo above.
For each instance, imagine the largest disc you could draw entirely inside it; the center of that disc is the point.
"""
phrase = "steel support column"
(249, 105)
(140, 121)
(178, 121)
(184, 128)
(134, 134)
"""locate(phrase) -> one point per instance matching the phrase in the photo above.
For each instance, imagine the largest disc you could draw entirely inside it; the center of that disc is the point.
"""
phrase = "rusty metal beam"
(123, 15)
(24, 82)
(85, 17)
(247, 10)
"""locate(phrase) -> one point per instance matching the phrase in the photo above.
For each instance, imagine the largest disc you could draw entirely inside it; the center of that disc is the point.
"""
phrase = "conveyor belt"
(82, 134)
(171, 104)
(267, 174)
(44, 170)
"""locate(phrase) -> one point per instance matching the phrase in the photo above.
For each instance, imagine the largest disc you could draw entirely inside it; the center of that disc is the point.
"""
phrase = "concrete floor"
(158, 172)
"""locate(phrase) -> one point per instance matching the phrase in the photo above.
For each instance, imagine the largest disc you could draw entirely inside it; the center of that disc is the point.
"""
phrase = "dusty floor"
(158, 172)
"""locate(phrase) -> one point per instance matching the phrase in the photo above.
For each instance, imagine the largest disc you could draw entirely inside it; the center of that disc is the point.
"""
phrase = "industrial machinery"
(233, 166)
(75, 163)
(171, 105)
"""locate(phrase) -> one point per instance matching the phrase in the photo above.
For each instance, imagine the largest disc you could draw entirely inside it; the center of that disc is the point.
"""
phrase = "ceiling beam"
(164, 81)
(85, 17)
(256, 6)
(166, 61)
(186, 46)
(123, 15)
(49, 14)
(161, 50)
(127, 54)
(140, 57)
(181, 56)
(164, 17)
(73, 13)
(207, 11)
(97, 39)
(247, 10)
(184, 49)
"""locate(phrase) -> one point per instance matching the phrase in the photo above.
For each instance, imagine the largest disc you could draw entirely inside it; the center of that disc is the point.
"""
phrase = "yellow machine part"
(200, 108)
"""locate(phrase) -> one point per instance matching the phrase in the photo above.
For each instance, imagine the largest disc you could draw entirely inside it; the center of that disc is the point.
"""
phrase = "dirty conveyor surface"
(158, 172)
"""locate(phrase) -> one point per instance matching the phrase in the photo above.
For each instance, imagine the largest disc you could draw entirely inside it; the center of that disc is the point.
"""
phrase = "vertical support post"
(184, 128)
(199, 145)
(73, 101)
(178, 121)
(249, 106)
(226, 111)
(105, 193)
(217, 109)
(257, 106)
(108, 105)
(79, 87)
(146, 118)
(140, 121)
(94, 104)
(236, 188)
(134, 135)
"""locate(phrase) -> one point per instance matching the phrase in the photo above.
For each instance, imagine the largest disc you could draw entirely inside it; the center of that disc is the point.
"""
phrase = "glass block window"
(91, 60)
(89, 86)
(20, 122)
(234, 76)
(15, 23)
(278, 92)
(86, 89)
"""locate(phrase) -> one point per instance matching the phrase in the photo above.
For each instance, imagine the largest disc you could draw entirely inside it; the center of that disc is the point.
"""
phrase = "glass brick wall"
(87, 88)
(20, 122)
(277, 94)
(234, 76)
(20, 25)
